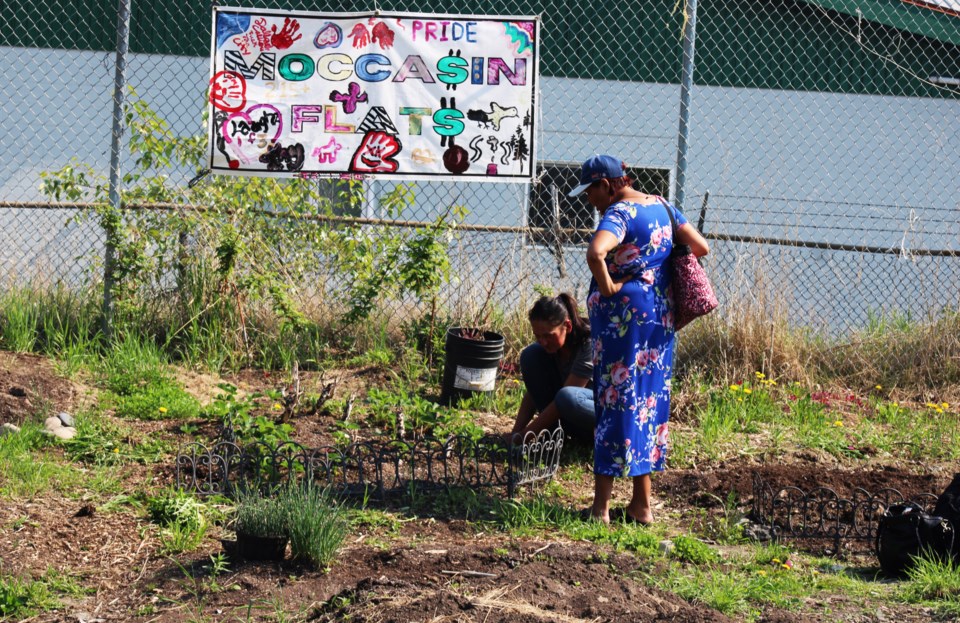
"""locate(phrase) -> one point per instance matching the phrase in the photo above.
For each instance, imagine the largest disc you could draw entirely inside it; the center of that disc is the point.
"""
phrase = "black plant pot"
(473, 358)
(254, 547)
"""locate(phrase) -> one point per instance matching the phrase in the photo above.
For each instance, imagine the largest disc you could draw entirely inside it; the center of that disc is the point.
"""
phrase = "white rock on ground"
(65, 432)
(66, 418)
(9, 429)
(52, 423)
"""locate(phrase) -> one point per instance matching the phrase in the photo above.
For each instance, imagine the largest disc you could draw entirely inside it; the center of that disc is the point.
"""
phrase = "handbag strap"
(673, 221)
(678, 250)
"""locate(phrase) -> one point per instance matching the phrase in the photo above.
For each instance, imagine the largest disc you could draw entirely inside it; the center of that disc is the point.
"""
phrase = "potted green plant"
(261, 526)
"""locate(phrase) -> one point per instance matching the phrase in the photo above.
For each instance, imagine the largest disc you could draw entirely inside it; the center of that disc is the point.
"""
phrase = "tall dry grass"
(755, 332)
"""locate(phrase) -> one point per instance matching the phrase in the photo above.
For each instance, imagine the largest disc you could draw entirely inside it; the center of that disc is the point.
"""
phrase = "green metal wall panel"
(767, 44)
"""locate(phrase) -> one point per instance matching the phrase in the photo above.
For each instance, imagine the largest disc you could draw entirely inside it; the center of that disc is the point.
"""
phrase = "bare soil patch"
(437, 569)
(29, 383)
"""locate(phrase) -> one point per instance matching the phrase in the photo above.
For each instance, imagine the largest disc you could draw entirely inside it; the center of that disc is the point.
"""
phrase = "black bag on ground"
(905, 531)
(948, 507)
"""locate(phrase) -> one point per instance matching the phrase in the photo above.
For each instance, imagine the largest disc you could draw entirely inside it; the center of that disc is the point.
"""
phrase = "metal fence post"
(686, 85)
(116, 134)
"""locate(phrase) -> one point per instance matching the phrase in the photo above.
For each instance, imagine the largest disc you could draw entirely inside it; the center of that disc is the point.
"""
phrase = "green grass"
(161, 400)
(316, 523)
(101, 443)
(20, 319)
(131, 364)
(935, 582)
(28, 466)
(21, 598)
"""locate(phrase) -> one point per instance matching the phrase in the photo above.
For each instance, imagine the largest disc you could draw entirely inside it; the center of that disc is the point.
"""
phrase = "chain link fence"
(822, 159)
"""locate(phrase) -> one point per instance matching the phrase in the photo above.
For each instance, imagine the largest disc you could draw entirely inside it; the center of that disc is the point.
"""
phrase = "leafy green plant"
(177, 507)
(182, 518)
(234, 244)
(238, 412)
(692, 550)
(177, 539)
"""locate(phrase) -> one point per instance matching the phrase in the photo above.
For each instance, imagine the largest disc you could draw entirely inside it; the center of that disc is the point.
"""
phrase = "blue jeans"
(544, 383)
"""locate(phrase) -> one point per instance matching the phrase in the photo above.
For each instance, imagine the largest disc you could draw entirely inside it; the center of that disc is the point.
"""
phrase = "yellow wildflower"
(786, 566)
(945, 405)
(760, 375)
(747, 390)
(163, 409)
(761, 572)
(931, 405)
(277, 406)
(878, 386)
(776, 560)
(838, 423)
(116, 450)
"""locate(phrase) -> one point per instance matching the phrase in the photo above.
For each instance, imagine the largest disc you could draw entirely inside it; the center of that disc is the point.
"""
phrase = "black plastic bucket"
(471, 364)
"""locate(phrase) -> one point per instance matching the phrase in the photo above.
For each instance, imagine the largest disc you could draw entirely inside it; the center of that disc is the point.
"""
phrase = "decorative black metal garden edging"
(376, 468)
(791, 513)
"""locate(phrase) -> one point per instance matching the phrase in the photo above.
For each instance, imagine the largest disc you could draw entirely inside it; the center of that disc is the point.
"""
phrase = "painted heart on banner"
(250, 133)
(329, 36)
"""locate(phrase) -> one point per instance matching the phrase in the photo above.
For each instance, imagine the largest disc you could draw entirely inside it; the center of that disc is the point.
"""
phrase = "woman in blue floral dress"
(631, 324)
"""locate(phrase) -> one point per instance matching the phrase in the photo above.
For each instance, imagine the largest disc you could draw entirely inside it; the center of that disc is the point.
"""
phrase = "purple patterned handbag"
(693, 295)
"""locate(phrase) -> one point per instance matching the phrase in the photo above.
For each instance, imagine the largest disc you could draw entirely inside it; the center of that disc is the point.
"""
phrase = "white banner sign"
(392, 95)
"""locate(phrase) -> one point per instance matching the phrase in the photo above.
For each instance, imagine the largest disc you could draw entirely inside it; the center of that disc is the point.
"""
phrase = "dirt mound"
(561, 582)
(28, 384)
(690, 486)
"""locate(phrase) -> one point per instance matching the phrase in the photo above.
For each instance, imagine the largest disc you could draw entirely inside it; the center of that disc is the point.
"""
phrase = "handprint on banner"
(383, 36)
(284, 39)
(361, 36)
(375, 154)
(228, 91)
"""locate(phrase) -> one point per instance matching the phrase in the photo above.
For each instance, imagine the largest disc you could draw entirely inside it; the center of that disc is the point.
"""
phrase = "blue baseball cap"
(598, 168)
